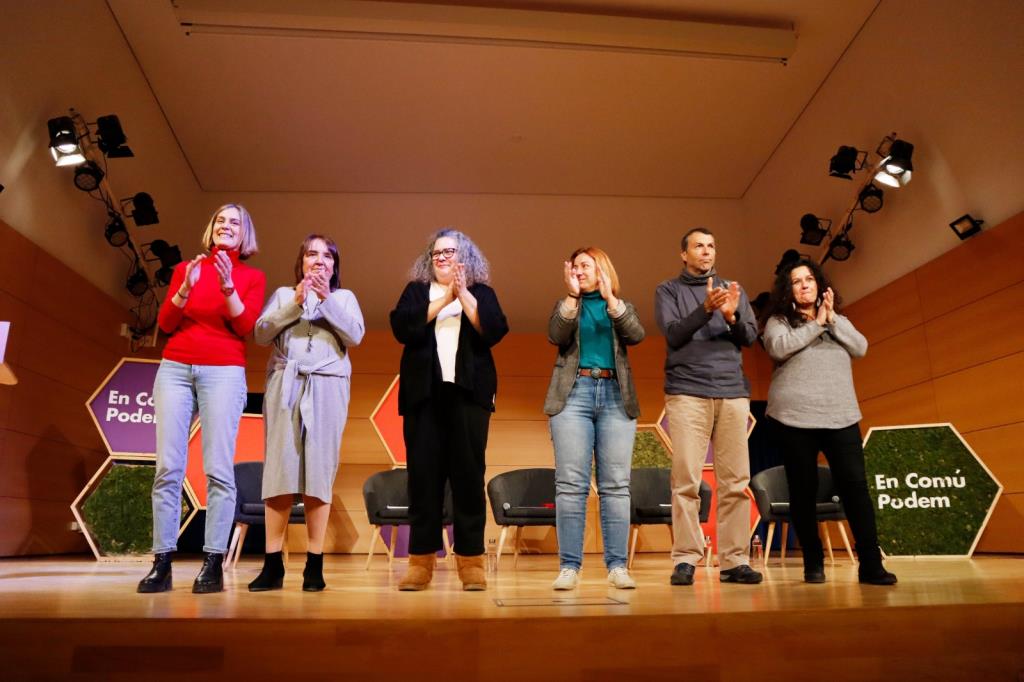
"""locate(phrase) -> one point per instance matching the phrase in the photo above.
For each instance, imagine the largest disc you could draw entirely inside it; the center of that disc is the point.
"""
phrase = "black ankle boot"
(272, 575)
(211, 575)
(875, 575)
(159, 577)
(313, 574)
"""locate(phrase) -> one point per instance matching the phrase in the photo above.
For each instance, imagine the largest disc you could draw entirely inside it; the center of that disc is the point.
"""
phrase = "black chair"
(386, 497)
(249, 509)
(650, 502)
(771, 493)
(520, 498)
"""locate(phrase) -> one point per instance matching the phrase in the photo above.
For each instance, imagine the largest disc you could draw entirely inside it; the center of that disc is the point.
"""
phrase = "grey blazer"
(565, 333)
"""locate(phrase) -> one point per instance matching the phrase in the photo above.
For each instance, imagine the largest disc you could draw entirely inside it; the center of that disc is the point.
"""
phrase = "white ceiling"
(266, 113)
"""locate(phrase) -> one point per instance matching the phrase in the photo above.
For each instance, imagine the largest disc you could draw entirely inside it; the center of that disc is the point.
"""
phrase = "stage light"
(112, 138)
(870, 198)
(896, 168)
(813, 229)
(88, 176)
(64, 141)
(788, 256)
(138, 281)
(143, 209)
(840, 248)
(169, 257)
(845, 162)
(965, 226)
(116, 233)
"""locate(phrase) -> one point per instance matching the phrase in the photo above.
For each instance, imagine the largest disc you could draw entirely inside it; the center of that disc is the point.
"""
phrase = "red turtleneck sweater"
(202, 333)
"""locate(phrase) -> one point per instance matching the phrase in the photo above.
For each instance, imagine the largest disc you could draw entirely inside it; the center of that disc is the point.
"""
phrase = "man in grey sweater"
(706, 320)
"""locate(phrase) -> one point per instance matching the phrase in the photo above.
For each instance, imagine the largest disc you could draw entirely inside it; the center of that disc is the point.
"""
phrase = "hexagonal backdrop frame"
(911, 523)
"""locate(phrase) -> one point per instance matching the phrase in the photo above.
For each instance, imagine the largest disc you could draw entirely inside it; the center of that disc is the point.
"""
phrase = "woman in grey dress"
(311, 328)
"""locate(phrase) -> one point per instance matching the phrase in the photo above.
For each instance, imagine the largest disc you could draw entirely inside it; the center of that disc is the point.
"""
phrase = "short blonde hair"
(247, 245)
(603, 262)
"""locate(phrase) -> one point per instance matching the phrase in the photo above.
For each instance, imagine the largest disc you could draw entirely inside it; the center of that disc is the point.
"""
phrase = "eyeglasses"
(447, 253)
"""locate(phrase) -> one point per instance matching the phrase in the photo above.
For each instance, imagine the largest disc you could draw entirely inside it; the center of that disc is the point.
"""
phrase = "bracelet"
(178, 294)
(576, 296)
(227, 291)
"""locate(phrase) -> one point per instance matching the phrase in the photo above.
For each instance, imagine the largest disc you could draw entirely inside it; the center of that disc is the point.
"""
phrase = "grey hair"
(477, 267)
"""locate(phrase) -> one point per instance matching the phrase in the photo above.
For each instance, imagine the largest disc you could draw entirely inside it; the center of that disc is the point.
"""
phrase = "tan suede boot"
(471, 572)
(421, 570)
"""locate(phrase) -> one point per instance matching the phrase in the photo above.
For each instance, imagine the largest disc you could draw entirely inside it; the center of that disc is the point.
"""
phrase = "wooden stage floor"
(73, 618)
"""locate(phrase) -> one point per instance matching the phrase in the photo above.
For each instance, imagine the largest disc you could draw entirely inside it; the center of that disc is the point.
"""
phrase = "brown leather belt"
(596, 373)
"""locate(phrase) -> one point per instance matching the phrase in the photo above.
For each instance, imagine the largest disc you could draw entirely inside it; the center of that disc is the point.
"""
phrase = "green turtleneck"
(595, 332)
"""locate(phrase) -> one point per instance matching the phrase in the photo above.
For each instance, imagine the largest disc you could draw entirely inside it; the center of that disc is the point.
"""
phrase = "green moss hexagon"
(932, 494)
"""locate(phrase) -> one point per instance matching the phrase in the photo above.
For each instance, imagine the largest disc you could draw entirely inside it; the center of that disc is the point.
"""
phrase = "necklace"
(309, 333)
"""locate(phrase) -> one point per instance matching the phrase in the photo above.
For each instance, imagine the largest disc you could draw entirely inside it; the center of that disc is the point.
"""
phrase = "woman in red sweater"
(215, 303)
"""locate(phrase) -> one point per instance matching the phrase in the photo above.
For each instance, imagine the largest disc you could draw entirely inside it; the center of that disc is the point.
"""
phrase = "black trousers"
(845, 455)
(445, 441)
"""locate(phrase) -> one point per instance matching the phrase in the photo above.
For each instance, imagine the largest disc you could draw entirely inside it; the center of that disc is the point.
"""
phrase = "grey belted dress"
(308, 387)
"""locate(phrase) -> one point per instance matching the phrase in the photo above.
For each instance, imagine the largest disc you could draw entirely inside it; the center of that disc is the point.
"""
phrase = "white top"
(446, 331)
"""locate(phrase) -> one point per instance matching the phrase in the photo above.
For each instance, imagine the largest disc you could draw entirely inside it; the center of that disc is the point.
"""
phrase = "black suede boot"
(870, 571)
(313, 574)
(272, 575)
(159, 577)
(211, 575)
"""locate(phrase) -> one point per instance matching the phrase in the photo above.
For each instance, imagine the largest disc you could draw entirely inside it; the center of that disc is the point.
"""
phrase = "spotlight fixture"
(847, 160)
(840, 248)
(788, 256)
(870, 199)
(88, 176)
(116, 233)
(64, 145)
(896, 168)
(169, 257)
(813, 229)
(143, 209)
(965, 226)
(112, 138)
(138, 281)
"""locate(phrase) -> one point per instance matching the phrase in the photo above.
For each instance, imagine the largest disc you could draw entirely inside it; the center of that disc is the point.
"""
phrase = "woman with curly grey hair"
(447, 318)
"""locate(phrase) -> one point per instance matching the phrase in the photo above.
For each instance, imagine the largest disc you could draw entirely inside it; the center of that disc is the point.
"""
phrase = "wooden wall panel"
(1003, 533)
(896, 362)
(1002, 450)
(911, 405)
(37, 527)
(982, 265)
(42, 469)
(985, 330)
(893, 309)
(984, 396)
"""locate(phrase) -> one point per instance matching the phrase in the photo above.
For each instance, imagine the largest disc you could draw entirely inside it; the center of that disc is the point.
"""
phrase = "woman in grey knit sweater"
(812, 406)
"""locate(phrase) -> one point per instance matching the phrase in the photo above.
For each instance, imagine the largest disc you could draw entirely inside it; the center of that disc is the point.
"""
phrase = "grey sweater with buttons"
(812, 385)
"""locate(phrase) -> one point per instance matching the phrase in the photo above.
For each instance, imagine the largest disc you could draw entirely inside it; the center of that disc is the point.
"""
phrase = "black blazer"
(420, 367)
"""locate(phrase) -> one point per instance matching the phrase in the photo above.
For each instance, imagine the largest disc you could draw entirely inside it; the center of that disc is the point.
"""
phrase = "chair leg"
(783, 541)
(391, 546)
(373, 544)
(243, 530)
(449, 554)
(515, 554)
(827, 537)
(768, 542)
(846, 540)
(501, 545)
(232, 547)
(634, 532)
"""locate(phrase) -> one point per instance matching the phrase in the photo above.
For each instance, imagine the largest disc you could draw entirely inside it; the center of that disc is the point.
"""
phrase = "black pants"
(842, 448)
(445, 440)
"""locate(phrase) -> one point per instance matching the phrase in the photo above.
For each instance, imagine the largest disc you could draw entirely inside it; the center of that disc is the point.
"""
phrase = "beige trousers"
(692, 423)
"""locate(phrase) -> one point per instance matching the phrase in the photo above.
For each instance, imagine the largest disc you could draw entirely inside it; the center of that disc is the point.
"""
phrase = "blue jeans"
(219, 394)
(593, 427)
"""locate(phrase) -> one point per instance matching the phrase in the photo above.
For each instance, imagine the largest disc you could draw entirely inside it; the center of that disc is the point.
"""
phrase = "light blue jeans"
(219, 394)
(593, 427)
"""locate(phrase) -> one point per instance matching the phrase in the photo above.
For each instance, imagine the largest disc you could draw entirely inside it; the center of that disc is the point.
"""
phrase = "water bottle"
(492, 555)
(707, 550)
(756, 551)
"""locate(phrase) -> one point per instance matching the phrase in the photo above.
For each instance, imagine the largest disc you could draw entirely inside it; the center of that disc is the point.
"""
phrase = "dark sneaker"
(814, 575)
(741, 574)
(682, 574)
